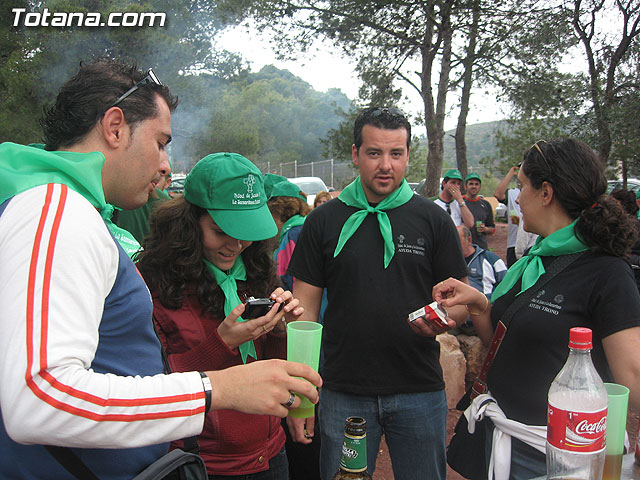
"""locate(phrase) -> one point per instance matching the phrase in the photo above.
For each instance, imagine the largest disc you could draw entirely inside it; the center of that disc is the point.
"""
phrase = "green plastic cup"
(303, 346)
(616, 417)
(616, 428)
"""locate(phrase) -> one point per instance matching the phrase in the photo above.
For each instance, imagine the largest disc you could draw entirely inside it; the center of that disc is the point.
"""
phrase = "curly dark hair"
(388, 118)
(627, 199)
(171, 261)
(286, 207)
(579, 184)
(84, 99)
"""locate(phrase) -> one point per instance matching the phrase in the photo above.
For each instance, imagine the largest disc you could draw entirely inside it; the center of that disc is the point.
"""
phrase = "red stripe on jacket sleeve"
(44, 330)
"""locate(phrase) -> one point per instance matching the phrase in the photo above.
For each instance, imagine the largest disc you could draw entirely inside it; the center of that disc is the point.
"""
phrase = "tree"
(431, 45)
(270, 117)
(36, 61)
(595, 105)
(606, 82)
(387, 37)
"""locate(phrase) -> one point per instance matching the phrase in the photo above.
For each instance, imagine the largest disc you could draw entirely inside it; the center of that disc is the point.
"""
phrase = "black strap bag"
(178, 465)
(175, 465)
(466, 453)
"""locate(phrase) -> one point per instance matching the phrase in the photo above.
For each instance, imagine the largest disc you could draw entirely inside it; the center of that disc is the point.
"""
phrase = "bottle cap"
(580, 338)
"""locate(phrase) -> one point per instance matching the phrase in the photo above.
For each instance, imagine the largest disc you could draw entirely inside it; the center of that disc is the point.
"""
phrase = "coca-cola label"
(576, 431)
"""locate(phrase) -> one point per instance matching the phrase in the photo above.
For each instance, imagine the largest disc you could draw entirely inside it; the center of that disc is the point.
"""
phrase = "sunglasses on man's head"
(150, 77)
(391, 111)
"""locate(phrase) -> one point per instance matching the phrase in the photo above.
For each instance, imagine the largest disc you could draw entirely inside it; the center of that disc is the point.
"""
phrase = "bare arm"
(467, 216)
(454, 292)
(501, 189)
(310, 298)
(621, 349)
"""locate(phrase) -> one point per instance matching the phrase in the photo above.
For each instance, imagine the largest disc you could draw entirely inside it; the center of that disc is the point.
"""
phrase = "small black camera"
(258, 307)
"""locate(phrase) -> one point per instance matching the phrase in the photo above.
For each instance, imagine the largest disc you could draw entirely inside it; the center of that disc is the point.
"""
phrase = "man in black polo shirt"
(378, 251)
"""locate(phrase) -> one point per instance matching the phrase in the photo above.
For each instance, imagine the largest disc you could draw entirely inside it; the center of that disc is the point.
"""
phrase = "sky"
(319, 69)
(327, 68)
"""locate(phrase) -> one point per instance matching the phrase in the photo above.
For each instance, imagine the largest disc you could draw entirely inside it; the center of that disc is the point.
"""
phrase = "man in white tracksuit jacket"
(80, 365)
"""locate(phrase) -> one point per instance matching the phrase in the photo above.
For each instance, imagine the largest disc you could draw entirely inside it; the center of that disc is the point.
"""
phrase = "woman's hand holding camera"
(234, 332)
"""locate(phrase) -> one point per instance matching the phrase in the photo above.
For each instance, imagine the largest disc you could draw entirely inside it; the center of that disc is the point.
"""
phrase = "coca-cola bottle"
(637, 455)
(577, 415)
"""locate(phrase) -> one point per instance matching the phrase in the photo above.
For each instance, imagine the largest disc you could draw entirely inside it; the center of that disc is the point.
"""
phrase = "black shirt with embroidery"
(597, 292)
(482, 212)
(369, 348)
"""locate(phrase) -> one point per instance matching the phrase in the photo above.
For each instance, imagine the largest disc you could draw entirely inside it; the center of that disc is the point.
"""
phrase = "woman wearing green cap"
(289, 208)
(206, 253)
(562, 196)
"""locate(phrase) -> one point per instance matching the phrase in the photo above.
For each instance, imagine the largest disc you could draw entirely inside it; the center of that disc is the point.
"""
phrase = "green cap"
(286, 189)
(231, 189)
(270, 179)
(471, 176)
(453, 173)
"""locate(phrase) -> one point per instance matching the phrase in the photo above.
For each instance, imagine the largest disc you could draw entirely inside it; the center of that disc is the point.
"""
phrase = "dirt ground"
(498, 244)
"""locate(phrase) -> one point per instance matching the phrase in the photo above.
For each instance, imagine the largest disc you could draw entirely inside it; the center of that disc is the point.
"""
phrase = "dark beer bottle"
(353, 463)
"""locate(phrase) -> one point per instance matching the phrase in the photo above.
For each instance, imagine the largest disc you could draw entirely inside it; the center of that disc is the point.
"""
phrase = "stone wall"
(461, 358)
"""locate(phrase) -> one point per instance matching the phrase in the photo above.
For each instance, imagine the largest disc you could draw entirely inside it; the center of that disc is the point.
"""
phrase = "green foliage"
(35, 61)
(513, 138)
(338, 141)
(269, 117)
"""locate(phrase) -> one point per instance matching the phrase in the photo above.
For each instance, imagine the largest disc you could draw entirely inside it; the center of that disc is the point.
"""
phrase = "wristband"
(462, 204)
(206, 384)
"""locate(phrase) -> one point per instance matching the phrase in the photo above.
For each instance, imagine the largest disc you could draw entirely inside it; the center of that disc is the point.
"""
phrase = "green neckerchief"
(530, 267)
(124, 237)
(294, 221)
(227, 282)
(25, 167)
(353, 195)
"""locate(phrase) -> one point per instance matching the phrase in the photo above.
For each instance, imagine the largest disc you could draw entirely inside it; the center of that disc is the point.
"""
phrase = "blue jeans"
(526, 461)
(278, 470)
(414, 425)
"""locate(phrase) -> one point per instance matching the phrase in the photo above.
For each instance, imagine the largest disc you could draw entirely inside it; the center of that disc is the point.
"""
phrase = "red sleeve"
(191, 341)
(275, 346)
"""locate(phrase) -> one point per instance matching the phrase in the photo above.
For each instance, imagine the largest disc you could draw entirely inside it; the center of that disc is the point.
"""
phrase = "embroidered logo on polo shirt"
(553, 308)
(403, 247)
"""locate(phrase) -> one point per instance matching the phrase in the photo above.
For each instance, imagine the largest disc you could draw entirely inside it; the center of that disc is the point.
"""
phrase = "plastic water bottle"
(577, 415)
(637, 454)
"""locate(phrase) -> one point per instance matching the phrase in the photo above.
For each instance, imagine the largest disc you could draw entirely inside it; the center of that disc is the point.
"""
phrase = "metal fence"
(334, 174)
(338, 174)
